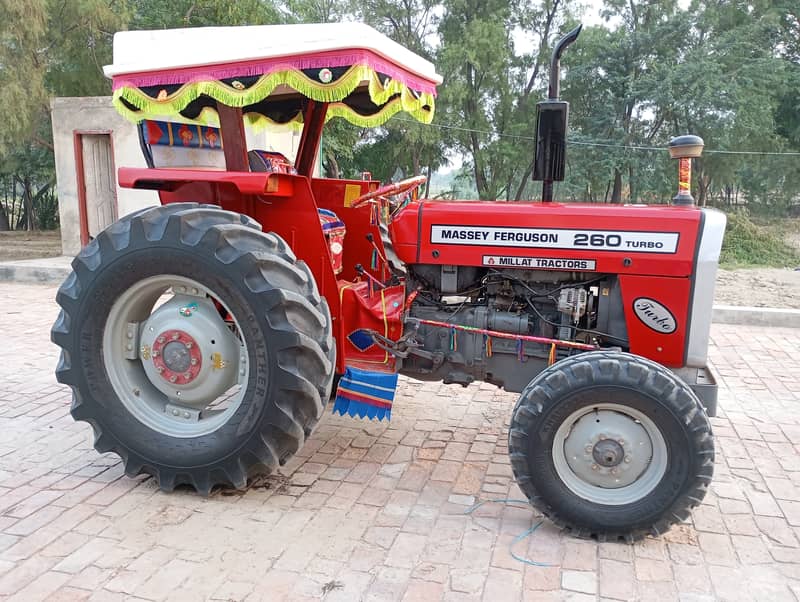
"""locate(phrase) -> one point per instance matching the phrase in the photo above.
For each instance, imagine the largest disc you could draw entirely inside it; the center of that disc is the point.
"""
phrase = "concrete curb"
(55, 269)
(756, 316)
(52, 270)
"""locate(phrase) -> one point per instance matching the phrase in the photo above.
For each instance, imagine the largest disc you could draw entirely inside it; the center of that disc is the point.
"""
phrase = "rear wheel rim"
(610, 454)
(135, 381)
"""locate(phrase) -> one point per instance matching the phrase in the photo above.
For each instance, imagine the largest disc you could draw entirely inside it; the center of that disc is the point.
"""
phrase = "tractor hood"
(616, 239)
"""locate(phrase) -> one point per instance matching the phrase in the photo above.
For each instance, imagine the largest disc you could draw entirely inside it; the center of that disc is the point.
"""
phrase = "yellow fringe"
(173, 104)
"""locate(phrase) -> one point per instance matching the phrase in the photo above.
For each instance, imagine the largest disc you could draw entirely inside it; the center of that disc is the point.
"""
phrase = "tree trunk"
(428, 183)
(631, 194)
(616, 192)
(480, 177)
(525, 176)
(331, 168)
(415, 162)
(4, 225)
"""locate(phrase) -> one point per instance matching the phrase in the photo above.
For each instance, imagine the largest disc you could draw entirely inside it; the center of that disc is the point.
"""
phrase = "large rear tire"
(196, 346)
(611, 446)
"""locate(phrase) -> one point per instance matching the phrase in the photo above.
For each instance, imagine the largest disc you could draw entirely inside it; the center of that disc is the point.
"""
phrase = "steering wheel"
(389, 190)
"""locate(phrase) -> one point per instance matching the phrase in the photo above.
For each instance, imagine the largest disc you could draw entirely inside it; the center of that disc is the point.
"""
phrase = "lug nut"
(594, 466)
(627, 459)
(174, 412)
(175, 336)
(160, 369)
(136, 392)
(194, 361)
(173, 378)
(129, 347)
(156, 353)
(189, 345)
(130, 334)
(161, 339)
(588, 449)
(621, 441)
(186, 414)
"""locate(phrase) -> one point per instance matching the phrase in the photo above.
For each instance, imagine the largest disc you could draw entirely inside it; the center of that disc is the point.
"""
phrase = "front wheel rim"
(142, 384)
(610, 454)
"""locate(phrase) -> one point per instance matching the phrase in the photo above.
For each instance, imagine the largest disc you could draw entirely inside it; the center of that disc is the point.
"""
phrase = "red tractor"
(202, 338)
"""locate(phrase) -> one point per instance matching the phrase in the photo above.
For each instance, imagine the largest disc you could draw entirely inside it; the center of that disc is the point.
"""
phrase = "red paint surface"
(290, 210)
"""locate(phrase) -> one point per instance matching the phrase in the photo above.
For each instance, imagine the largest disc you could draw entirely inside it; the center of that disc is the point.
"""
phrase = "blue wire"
(519, 537)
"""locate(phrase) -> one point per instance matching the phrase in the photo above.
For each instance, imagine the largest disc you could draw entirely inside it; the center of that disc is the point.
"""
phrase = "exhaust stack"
(551, 125)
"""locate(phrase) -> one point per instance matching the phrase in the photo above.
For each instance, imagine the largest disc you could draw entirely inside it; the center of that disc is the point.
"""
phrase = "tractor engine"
(569, 306)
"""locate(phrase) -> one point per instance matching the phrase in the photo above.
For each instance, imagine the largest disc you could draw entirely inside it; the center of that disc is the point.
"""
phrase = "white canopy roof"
(159, 50)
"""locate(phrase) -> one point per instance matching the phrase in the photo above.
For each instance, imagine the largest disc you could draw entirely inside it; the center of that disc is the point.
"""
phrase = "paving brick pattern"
(372, 511)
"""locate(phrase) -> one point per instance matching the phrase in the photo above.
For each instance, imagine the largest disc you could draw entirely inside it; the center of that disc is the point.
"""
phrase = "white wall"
(93, 114)
(70, 115)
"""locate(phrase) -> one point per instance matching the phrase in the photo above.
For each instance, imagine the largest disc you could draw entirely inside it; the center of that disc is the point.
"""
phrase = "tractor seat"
(332, 227)
(270, 162)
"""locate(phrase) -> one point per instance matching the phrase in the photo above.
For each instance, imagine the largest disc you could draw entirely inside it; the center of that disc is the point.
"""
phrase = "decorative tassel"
(488, 343)
(373, 215)
(453, 340)
(373, 264)
(551, 359)
(520, 350)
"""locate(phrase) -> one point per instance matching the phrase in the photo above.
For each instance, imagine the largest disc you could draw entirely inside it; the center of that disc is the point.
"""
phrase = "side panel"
(656, 314)
(336, 196)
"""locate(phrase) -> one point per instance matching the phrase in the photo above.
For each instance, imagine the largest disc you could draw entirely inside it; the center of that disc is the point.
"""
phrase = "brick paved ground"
(375, 511)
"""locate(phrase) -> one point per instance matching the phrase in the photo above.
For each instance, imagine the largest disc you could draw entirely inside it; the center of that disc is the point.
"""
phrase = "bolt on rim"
(175, 364)
(610, 454)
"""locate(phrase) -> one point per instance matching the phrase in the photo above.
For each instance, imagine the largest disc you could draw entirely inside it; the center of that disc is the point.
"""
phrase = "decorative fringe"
(365, 394)
(453, 340)
(488, 342)
(520, 350)
(551, 358)
(373, 264)
(268, 66)
(419, 105)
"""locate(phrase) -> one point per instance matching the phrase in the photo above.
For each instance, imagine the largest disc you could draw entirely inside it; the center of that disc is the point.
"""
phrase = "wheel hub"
(177, 357)
(608, 453)
(189, 353)
(608, 449)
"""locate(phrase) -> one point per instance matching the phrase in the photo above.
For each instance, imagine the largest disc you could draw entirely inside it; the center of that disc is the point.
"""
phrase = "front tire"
(611, 446)
(252, 353)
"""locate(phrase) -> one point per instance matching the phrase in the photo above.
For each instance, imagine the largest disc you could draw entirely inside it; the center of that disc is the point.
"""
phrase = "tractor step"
(704, 385)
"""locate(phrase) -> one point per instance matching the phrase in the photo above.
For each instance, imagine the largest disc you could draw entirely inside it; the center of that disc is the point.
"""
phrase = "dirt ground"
(29, 245)
(758, 287)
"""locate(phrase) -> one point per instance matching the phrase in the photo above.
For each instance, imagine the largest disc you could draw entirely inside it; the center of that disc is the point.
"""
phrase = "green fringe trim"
(172, 105)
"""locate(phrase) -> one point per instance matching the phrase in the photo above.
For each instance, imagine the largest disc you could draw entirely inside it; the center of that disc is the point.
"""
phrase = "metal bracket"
(131, 351)
(182, 413)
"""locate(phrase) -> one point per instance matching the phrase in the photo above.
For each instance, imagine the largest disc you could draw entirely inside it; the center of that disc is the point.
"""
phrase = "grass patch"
(747, 244)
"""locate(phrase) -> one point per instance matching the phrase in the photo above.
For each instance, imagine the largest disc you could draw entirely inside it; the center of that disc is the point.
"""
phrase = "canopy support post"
(313, 121)
(234, 142)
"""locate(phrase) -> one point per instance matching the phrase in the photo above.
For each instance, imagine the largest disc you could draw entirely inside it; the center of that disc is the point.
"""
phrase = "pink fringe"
(260, 67)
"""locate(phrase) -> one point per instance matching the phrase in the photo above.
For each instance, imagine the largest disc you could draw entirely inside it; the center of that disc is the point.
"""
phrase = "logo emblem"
(325, 76)
(654, 315)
